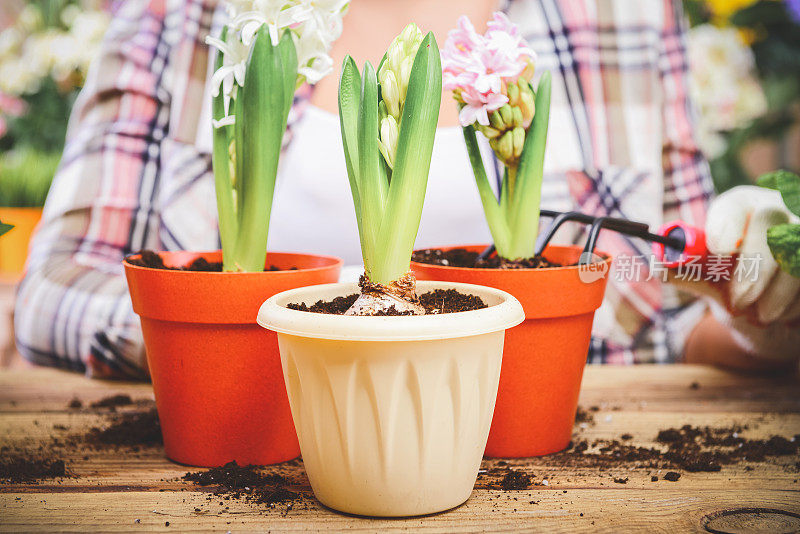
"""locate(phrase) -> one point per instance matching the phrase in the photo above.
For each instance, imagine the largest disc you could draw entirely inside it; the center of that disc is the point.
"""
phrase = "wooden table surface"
(138, 491)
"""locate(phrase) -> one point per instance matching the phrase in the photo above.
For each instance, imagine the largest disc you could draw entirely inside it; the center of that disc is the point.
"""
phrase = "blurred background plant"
(46, 47)
(745, 78)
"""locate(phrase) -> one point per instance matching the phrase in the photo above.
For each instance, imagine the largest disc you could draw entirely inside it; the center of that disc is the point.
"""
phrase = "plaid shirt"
(135, 174)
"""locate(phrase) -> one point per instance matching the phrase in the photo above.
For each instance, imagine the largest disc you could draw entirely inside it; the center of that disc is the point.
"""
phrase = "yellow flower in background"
(723, 9)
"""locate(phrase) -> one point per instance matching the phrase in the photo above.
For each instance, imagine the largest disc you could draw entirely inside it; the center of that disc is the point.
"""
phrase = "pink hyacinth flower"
(476, 66)
(477, 106)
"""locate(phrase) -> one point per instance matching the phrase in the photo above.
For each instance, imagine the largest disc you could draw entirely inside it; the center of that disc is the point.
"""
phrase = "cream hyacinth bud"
(526, 102)
(396, 70)
(388, 141)
(390, 91)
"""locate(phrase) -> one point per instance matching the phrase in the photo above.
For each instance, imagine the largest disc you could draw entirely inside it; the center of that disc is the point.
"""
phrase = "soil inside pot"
(152, 260)
(435, 302)
(461, 257)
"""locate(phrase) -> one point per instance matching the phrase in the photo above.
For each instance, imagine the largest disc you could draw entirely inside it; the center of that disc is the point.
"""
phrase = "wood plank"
(610, 510)
(111, 489)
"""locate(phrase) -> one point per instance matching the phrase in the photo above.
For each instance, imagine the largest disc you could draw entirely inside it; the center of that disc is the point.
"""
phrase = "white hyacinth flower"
(277, 15)
(312, 44)
(314, 26)
(234, 64)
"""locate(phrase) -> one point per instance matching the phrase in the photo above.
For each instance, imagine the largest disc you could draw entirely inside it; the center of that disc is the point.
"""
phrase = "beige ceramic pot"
(392, 413)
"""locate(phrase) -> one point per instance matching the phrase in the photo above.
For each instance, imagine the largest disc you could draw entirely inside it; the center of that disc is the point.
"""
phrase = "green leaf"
(524, 205)
(260, 121)
(491, 209)
(788, 183)
(372, 186)
(238, 136)
(349, 105)
(289, 66)
(223, 184)
(784, 243)
(4, 228)
(412, 163)
(383, 60)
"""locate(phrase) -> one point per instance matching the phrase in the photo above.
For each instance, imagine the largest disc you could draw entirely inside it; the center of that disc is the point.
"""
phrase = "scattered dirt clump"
(583, 416)
(688, 448)
(22, 468)
(707, 449)
(113, 401)
(245, 482)
(137, 428)
(515, 480)
(692, 449)
(672, 476)
(234, 477)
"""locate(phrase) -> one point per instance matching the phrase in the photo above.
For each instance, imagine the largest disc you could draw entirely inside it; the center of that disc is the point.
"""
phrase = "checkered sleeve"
(73, 309)
(688, 187)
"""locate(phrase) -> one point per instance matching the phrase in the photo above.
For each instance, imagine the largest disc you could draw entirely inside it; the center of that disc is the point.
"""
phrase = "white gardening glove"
(762, 311)
(737, 223)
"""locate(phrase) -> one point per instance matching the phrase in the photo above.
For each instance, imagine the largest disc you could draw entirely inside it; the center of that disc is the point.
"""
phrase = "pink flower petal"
(477, 65)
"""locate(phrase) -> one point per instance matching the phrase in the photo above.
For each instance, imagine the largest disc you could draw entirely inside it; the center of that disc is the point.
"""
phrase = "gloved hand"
(737, 223)
(761, 309)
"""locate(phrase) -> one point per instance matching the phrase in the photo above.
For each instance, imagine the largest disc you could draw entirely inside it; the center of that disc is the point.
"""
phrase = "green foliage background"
(31, 148)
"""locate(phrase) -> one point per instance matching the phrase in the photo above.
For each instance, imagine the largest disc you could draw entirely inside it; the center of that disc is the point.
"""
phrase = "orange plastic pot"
(216, 374)
(544, 357)
(14, 244)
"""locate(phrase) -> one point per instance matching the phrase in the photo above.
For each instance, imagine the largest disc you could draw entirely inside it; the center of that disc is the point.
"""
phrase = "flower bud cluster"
(393, 77)
(508, 124)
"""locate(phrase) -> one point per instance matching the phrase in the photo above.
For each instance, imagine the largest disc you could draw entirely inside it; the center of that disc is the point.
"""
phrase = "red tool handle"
(694, 248)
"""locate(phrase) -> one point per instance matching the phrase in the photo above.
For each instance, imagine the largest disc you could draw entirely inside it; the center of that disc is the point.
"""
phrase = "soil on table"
(461, 257)
(22, 467)
(245, 482)
(435, 302)
(515, 480)
(112, 402)
(127, 422)
(688, 448)
(153, 260)
(132, 429)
